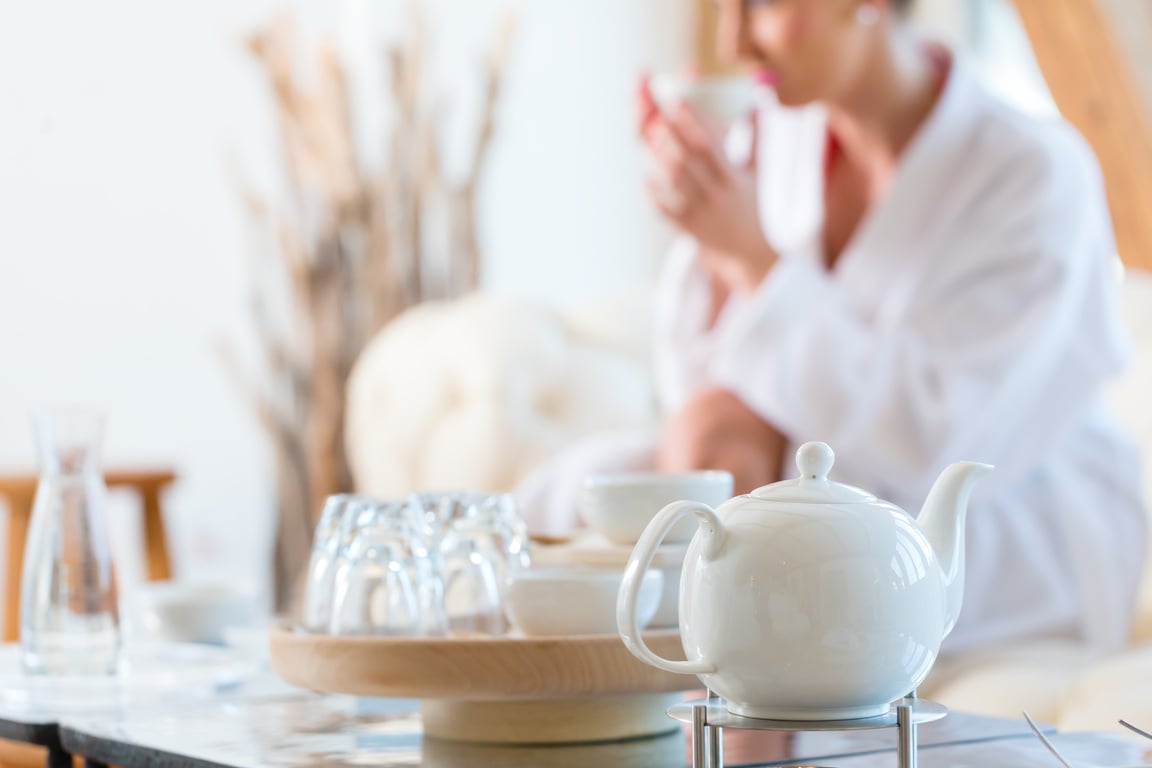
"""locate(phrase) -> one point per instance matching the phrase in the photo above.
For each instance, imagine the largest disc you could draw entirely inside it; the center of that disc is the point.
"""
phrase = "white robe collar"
(792, 202)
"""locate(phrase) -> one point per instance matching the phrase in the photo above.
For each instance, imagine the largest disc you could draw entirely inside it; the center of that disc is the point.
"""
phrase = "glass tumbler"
(472, 589)
(481, 539)
(318, 588)
(496, 513)
(385, 583)
(509, 532)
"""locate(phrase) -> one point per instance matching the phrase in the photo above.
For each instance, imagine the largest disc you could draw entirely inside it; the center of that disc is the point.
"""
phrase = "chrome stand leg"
(906, 732)
(700, 736)
(715, 747)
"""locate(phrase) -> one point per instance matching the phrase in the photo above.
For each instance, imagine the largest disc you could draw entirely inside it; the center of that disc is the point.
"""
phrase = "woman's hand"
(715, 429)
(694, 187)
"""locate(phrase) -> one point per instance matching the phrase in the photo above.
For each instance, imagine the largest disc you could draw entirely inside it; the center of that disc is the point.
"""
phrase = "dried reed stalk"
(343, 252)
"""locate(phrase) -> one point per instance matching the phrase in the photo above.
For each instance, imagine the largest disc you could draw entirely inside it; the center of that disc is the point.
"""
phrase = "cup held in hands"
(718, 101)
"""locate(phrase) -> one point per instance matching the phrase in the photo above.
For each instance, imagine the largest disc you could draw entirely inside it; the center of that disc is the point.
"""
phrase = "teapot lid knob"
(815, 461)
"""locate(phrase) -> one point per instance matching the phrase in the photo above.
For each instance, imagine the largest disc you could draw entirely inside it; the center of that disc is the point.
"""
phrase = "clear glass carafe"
(69, 623)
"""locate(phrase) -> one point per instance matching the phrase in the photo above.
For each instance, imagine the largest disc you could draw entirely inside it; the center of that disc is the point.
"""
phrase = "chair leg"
(14, 754)
(155, 542)
(19, 513)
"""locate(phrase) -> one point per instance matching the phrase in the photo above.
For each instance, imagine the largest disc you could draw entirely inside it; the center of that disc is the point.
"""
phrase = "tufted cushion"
(473, 393)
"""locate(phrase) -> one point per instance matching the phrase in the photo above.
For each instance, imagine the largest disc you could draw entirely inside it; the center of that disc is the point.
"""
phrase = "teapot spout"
(942, 522)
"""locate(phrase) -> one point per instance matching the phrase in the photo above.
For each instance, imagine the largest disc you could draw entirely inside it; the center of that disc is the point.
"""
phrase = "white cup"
(717, 101)
(619, 505)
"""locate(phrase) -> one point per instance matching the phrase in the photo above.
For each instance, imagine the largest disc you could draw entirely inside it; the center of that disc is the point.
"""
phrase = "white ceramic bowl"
(591, 550)
(717, 101)
(192, 613)
(574, 601)
(620, 505)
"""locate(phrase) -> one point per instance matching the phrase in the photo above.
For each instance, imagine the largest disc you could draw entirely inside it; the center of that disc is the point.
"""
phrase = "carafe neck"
(69, 441)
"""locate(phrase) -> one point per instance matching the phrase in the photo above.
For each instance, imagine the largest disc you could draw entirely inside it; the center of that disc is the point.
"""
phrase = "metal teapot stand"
(710, 716)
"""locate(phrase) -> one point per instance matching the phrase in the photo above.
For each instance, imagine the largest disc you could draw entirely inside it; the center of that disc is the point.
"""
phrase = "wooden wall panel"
(1096, 90)
(707, 57)
(1132, 23)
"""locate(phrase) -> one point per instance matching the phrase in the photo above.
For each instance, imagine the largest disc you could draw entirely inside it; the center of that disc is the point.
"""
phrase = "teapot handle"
(712, 532)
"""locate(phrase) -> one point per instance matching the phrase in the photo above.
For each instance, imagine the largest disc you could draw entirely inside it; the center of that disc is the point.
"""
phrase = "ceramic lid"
(813, 486)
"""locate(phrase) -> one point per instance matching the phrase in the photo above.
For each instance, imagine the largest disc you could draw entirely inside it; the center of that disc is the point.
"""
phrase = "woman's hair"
(903, 5)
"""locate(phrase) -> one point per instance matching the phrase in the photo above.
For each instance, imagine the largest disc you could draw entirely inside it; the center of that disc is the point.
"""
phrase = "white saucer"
(592, 549)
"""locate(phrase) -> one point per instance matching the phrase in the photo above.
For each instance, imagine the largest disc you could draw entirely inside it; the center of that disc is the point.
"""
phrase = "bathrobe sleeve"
(1005, 334)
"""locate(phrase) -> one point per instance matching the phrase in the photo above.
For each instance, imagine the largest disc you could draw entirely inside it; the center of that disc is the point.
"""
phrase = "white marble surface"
(169, 672)
(220, 706)
(341, 731)
(309, 730)
(1082, 750)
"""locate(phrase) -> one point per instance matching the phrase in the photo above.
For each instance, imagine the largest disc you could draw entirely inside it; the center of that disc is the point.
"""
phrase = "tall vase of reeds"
(342, 250)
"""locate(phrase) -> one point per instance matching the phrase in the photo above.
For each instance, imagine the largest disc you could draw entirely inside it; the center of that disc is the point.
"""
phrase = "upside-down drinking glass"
(424, 565)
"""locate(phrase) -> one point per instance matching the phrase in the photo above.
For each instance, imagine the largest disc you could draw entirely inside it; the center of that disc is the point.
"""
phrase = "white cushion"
(473, 393)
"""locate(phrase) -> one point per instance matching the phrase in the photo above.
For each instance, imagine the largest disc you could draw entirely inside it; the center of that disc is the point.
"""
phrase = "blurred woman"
(912, 271)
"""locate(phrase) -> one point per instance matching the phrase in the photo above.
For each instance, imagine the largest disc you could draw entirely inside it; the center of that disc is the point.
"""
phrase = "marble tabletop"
(1082, 750)
(312, 730)
(183, 707)
(307, 730)
(31, 708)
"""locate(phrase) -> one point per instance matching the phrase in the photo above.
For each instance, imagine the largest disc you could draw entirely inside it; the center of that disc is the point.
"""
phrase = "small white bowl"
(574, 601)
(192, 613)
(620, 505)
(591, 550)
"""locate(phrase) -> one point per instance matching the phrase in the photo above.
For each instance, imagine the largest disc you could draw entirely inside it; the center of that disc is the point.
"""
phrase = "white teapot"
(808, 599)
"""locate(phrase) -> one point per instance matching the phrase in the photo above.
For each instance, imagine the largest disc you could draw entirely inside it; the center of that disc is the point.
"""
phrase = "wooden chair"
(19, 490)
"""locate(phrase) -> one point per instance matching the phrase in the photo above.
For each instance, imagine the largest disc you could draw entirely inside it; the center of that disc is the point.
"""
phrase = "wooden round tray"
(497, 689)
(475, 669)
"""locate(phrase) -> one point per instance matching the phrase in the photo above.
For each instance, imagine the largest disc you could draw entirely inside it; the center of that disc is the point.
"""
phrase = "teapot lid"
(813, 486)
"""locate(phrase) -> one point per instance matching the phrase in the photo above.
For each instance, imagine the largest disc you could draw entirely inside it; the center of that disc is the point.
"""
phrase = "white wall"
(563, 217)
(122, 255)
(122, 251)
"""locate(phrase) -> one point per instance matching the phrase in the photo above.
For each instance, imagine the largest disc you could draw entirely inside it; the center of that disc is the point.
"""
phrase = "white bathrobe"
(972, 316)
